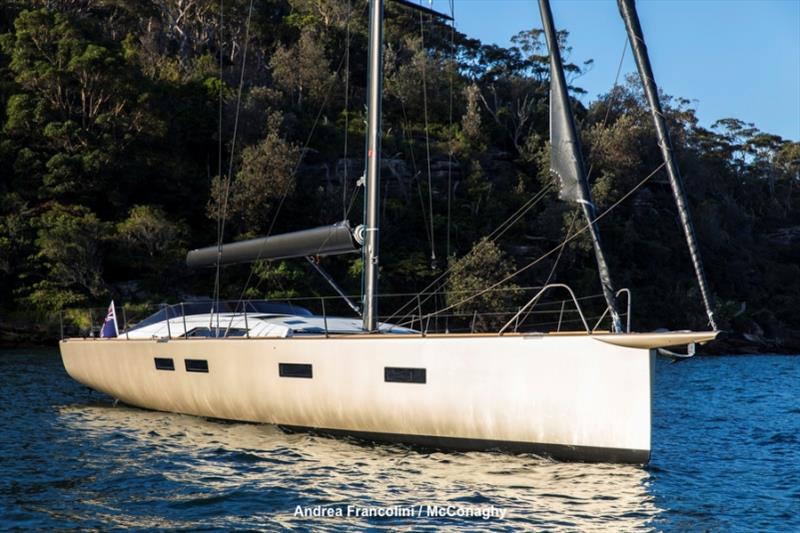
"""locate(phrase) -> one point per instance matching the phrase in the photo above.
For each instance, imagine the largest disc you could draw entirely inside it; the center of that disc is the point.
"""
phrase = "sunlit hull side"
(570, 397)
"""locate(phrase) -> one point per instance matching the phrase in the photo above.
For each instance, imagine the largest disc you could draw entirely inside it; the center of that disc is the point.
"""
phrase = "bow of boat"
(657, 340)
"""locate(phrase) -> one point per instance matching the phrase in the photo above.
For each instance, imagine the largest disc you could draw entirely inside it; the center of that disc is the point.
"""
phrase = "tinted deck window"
(196, 365)
(164, 363)
(393, 374)
(294, 370)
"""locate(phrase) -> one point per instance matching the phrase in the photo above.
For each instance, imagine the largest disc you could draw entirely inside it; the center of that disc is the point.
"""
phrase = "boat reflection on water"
(171, 470)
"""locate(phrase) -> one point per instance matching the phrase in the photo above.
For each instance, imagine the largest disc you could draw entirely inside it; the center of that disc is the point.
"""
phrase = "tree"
(153, 246)
(301, 70)
(70, 248)
(471, 120)
(266, 174)
(77, 108)
(149, 231)
(109, 143)
(277, 279)
(484, 266)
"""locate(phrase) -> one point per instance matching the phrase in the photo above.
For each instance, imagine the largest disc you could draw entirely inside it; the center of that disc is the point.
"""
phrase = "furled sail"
(566, 159)
(627, 9)
(563, 162)
(335, 239)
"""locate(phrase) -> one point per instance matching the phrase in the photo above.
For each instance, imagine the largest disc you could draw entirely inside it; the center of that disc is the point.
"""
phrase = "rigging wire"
(561, 251)
(612, 99)
(553, 250)
(496, 234)
(409, 143)
(228, 180)
(296, 168)
(219, 160)
(555, 265)
(452, 136)
(460, 291)
(427, 135)
(290, 183)
(615, 93)
(521, 212)
(345, 176)
(451, 143)
(514, 218)
(509, 222)
(526, 207)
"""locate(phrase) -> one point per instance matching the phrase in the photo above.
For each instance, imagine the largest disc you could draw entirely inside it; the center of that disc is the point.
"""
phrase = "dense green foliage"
(111, 164)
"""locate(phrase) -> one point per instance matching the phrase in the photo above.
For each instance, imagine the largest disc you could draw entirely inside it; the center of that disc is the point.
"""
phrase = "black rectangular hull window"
(294, 370)
(164, 363)
(196, 365)
(393, 374)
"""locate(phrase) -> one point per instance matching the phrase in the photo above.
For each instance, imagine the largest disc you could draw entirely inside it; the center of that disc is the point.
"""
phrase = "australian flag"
(110, 328)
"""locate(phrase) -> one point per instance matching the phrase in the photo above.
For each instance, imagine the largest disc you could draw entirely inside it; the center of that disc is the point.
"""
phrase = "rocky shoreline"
(735, 343)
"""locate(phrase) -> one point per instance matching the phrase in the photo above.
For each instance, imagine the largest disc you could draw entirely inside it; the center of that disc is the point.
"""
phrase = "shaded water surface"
(726, 457)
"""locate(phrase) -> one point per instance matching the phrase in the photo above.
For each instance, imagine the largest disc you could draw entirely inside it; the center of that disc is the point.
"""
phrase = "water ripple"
(725, 458)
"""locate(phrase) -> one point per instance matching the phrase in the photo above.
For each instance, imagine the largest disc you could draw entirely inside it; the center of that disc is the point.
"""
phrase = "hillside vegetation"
(111, 165)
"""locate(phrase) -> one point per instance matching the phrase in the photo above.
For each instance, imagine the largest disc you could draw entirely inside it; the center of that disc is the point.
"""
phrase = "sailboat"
(582, 396)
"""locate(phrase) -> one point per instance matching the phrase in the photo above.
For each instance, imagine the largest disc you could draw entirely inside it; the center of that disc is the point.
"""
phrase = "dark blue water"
(726, 457)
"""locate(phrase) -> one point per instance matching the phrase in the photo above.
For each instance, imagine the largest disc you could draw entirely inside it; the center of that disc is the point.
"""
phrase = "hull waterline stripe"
(561, 452)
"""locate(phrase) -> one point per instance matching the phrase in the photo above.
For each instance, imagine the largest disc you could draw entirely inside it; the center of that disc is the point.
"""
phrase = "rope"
(553, 250)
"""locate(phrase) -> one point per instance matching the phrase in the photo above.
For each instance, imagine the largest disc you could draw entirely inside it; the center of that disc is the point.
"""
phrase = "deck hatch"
(196, 365)
(294, 370)
(393, 374)
(164, 363)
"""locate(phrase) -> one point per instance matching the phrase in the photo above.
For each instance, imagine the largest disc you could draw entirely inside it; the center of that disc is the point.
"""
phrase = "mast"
(627, 9)
(373, 165)
(567, 160)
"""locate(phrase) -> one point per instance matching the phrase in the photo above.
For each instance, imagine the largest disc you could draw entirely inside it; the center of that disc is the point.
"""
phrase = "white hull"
(567, 396)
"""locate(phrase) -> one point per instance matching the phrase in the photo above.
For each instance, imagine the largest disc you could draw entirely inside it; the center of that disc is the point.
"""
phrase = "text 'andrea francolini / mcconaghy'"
(486, 512)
